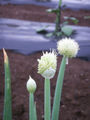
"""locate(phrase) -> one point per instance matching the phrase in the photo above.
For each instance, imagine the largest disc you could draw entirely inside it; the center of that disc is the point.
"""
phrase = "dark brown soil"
(75, 97)
(38, 13)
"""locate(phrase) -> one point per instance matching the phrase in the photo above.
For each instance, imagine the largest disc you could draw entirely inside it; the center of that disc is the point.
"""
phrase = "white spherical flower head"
(47, 64)
(31, 85)
(68, 47)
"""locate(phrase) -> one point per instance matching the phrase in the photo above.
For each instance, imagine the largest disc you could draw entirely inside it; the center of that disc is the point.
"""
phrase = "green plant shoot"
(31, 106)
(31, 87)
(58, 90)
(7, 115)
(47, 103)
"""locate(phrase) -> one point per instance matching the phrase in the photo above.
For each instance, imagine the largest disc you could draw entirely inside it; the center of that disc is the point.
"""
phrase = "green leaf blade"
(7, 115)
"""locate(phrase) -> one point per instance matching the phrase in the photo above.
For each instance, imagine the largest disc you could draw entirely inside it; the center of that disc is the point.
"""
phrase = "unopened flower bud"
(47, 64)
(68, 47)
(49, 73)
(31, 85)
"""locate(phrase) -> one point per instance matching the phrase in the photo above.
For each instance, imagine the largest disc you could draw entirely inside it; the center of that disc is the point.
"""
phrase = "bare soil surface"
(75, 97)
(38, 13)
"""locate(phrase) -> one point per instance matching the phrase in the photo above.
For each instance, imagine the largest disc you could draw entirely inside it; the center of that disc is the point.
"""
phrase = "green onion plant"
(47, 65)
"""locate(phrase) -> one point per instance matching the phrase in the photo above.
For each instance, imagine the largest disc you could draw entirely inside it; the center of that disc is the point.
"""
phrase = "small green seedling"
(60, 30)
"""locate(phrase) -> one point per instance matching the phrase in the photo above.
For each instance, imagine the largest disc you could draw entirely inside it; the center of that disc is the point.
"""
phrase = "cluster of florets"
(68, 47)
(47, 64)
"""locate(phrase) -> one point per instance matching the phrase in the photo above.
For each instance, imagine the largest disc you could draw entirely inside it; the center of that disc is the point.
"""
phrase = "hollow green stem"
(58, 90)
(47, 103)
(7, 115)
(31, 106)
(35, 112)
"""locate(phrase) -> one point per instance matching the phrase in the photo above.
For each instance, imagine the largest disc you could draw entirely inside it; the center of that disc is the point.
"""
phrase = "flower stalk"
(31, 106)
(7, 115)
(47, 102)
(58, 90)
(35, 112)
(68, 48)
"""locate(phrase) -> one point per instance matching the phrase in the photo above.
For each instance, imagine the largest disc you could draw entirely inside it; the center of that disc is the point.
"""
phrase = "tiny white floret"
(31, 85)
(68, 47)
